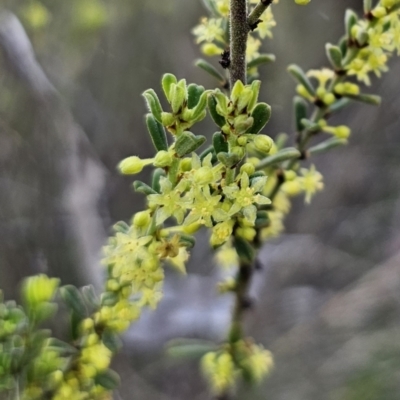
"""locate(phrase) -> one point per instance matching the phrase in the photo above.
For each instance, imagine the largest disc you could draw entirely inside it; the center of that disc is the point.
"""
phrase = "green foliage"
(222, 188)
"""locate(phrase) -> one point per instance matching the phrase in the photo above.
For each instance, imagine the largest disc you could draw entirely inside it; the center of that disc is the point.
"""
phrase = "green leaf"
(187, 142)
(206, 152)
(228, 159)
(167, 81)
(244, 250)
(300, 111)
(90, 296)
(157, 133)
(189, 348)
(61, 347)
(108, 299)
(261, 59)
(210, 69)
(366, 98)
(142, 187)
(74, 300)
(187, 240)
(327, 145)
(111, 340)
(157, 174)
(108, 379)
(261, 115)
(338, 105)
(219, 142)
(334, 55)
(200, 107)
(212, 107)
(153, 103)
(287, 154)
(194, 94)
(299, 75)
(350, 19)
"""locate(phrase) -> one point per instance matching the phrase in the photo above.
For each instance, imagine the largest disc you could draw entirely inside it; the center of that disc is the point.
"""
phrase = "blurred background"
(327, 301)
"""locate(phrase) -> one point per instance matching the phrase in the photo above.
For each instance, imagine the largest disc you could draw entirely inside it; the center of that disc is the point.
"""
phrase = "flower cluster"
(243, 359)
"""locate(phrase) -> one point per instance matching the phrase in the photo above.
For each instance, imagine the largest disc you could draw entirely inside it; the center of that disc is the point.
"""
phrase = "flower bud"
(379, 12)
(237, 91)
(263, 143)
(210, 49)
(186, 164)
(203, 175)
(131, 165)
(141, 219)
(167, 118)
(162, 159)
(246, 233)
(39, 289)
(329, 99)
(248, 168)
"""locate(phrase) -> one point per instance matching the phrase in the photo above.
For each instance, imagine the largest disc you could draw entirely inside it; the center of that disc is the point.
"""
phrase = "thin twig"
(254, 18)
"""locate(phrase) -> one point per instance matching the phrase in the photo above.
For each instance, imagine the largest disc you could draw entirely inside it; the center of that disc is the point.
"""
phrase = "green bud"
(168, 80)
(203, 175)
(237, 91)
(167, 119)
(186, 164)
(131, 165)
(261, 115)
(243, 123)
(188, 142)
(157, 133)
(244, 99)
(162, 159)
(153, 103)
(222, 103)
(187, 115)
(177, 98)
(248, 168)
(141, 219)
(263, 143)
(39, 289)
